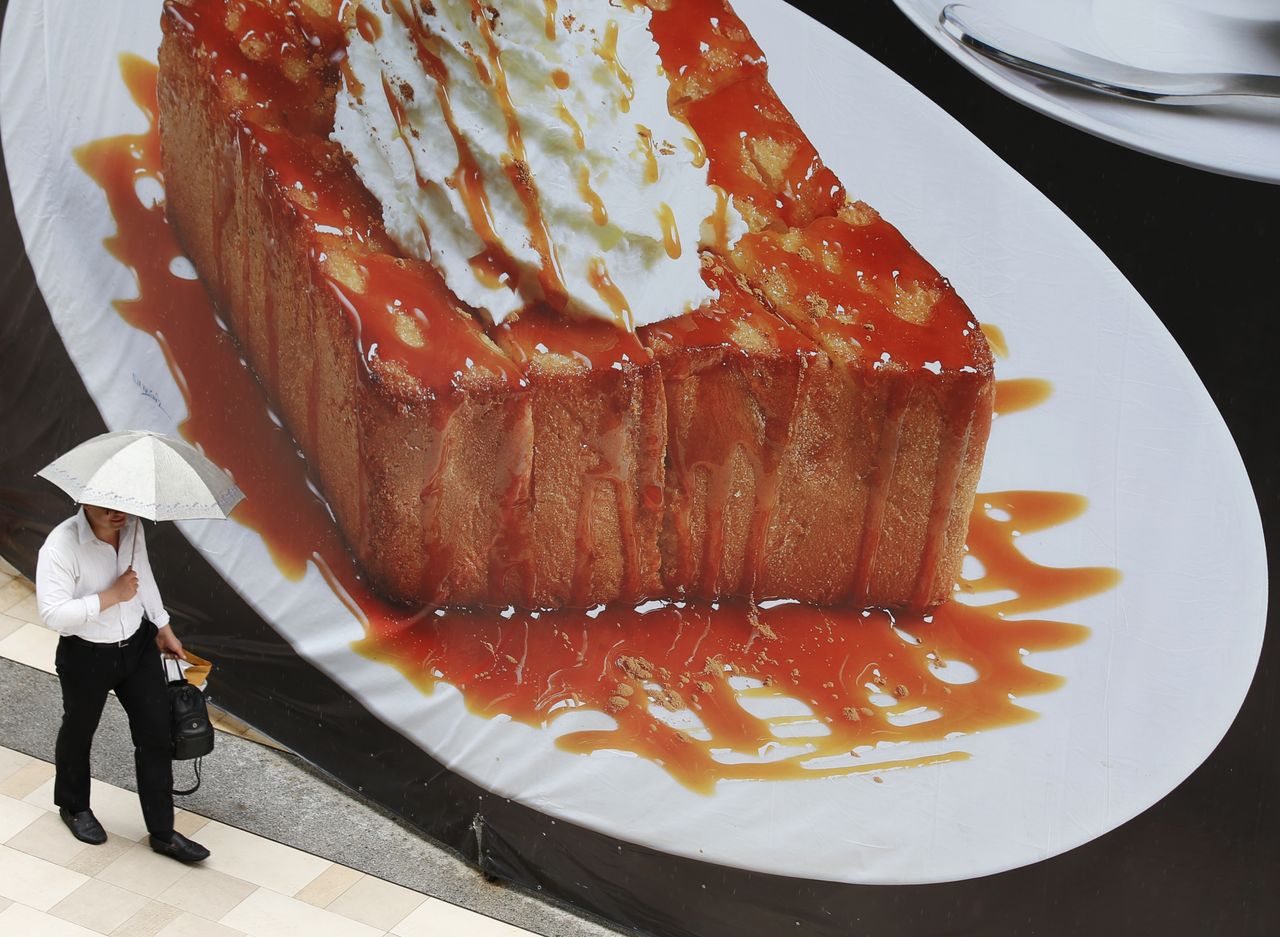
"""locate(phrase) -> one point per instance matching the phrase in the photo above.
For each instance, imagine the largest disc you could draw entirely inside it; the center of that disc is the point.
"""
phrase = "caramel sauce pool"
(694, 687)
(1021, 393)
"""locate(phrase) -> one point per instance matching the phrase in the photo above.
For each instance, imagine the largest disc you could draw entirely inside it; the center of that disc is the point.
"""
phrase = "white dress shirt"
(74, 566)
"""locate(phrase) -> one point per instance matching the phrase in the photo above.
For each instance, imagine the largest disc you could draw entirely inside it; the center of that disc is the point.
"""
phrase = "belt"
(125, 643)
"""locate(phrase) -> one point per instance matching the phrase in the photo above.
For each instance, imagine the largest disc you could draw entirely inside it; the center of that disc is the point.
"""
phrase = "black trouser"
(87, 670)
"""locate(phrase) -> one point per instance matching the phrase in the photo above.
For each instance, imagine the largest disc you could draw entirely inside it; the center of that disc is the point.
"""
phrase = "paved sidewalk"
(51, 884)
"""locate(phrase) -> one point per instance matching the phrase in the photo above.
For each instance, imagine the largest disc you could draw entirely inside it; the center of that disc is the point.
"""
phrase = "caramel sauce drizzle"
(670, 234)
(599, 214)
(864, 272)
(707, 457)
(711, 454)
(696, 149)
(401, 121)
(996, 339)
(549, 21)
(720, 219)
(1021, 393)
(682, 681)
(646, 150)
(482, 70)
(579, 140)
(878, 496)
(354, 84)
(727, 123)
(550, 276)
(367, 24)
(493, 270)
(962, 412)
(598, 277)
(608, 50)
(560, 78)
(611, 469)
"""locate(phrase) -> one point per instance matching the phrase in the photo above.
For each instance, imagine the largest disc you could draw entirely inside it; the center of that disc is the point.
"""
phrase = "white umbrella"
(147, 474)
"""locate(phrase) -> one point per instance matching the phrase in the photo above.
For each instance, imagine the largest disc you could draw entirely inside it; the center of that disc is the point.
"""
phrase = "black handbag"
(189, 720)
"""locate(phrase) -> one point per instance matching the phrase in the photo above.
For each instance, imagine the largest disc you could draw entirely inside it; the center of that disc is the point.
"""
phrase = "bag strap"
(164, 663)
(196, 786)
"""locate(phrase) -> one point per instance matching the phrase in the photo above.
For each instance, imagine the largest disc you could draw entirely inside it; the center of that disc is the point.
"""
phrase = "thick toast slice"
(747, 448)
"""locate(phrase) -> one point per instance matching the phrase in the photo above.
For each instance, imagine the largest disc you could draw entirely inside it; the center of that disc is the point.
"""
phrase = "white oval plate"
(1129, 425)
(1239, 137)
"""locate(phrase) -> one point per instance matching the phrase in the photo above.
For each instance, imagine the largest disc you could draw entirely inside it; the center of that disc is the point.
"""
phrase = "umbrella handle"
(134, 554)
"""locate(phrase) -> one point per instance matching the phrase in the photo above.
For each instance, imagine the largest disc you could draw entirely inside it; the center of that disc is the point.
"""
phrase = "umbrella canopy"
(146, 474)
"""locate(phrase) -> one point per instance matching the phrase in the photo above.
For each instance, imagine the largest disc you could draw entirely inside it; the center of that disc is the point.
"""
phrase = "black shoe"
(84, 826)
(179, 847)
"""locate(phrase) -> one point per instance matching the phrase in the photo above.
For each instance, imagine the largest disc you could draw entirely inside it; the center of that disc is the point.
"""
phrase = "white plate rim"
(1005, 80)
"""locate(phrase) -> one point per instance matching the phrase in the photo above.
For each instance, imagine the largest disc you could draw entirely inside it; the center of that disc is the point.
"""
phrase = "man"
(93, 584)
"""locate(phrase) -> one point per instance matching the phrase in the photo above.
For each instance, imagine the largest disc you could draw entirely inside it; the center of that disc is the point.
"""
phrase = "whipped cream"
(525, 148)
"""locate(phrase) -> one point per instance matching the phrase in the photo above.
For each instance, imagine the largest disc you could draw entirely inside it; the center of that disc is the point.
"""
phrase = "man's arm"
(147, 587)
(55, 591)
(166, 640)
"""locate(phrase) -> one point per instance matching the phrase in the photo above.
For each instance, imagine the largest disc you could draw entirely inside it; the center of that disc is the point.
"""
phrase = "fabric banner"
(667, 737)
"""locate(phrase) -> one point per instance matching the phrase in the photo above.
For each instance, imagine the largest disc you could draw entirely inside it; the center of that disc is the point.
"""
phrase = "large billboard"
(617, 610)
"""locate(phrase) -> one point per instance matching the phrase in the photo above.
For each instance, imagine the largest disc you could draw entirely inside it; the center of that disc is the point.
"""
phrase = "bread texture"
(761, 446)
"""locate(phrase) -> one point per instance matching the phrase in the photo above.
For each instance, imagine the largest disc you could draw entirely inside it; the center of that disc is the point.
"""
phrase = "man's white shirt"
(74, 566)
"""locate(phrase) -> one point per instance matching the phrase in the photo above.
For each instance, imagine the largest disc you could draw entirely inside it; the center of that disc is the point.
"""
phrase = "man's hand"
(169, 644)
(122, 590)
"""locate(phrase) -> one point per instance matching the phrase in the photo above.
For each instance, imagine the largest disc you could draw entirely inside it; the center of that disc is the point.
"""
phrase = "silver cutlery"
(1044, 58)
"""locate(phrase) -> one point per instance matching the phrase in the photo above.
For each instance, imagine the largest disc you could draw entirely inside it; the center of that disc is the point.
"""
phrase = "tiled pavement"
(53, 886)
